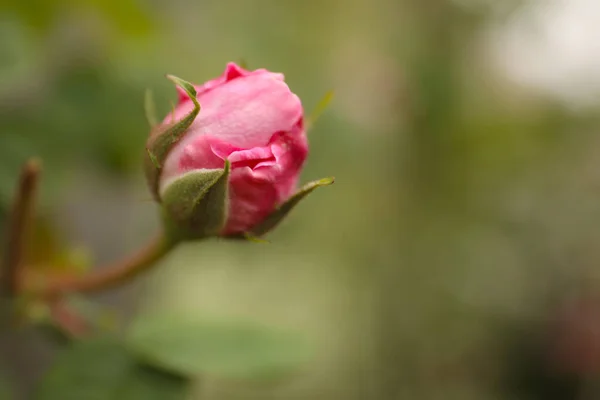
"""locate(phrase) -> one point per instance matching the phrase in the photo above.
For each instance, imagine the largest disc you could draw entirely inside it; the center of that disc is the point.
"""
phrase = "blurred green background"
(454, 258)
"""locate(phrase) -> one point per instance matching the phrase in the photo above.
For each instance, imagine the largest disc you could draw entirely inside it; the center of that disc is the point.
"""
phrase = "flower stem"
(13, 268)
(106, 277)
(20, 217)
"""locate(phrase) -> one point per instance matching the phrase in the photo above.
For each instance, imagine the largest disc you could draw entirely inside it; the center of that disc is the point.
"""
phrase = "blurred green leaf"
(125, 15)
(93, 370)
(146, 383)
(5, 389)
(38, 14)
(226, 348)
(103, 369)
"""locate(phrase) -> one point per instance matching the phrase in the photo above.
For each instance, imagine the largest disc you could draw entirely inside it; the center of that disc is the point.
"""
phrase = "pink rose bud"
(227, 160)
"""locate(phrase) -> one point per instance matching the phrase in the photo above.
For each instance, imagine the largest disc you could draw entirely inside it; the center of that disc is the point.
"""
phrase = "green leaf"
(196, 203)
(225, 348)
(163, 138)
(149, 383)
(283, 210)
(92, 370)
(103, 369)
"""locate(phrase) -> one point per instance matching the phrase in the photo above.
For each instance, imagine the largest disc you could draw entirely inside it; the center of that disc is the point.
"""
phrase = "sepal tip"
(283, 210)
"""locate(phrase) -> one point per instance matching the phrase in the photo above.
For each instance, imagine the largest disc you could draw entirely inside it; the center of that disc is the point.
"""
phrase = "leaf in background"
(98, 317)
(37, 14)
(227, 348)
(147, 383)
(5, 389)
(92, 369)
(102, 369)
(125, 15)
(128, 16)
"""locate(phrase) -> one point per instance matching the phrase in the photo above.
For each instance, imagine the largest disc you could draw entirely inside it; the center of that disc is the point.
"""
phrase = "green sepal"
(283, 209)
(195, 205)
(164, 137)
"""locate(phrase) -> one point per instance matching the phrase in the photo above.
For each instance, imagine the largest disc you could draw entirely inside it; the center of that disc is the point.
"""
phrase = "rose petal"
(197, 154)
(245, 112)
(250, 201)
(232, 71)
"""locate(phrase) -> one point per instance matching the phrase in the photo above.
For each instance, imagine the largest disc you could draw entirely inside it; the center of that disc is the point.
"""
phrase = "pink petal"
(245, 112)
(250, 201)
(232, 71)
(256, 192)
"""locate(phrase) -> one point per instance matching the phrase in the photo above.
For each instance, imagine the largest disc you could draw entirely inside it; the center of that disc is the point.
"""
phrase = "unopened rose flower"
(227, 160)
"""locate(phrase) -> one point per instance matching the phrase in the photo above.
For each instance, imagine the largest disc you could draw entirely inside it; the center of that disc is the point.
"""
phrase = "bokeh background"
(456, 257)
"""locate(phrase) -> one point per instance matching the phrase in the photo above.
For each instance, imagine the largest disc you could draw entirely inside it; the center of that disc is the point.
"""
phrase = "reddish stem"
(19, 220)
(102, 278)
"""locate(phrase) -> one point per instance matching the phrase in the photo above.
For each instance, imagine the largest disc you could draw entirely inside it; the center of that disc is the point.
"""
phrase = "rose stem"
(19, 219)
(109, 276)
